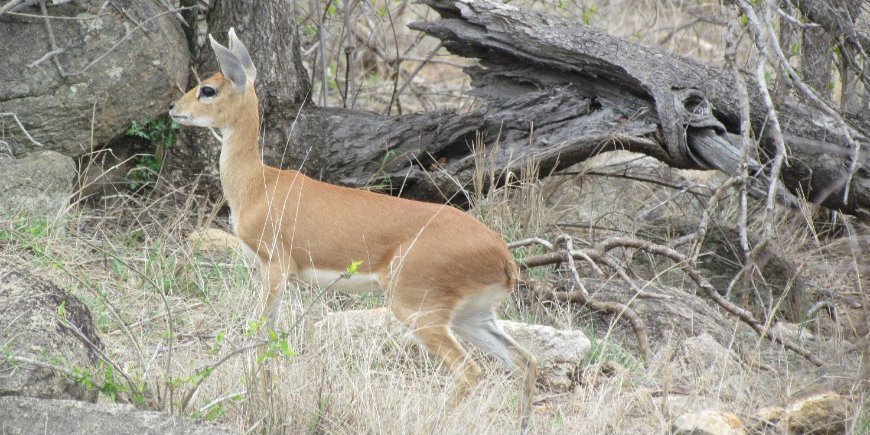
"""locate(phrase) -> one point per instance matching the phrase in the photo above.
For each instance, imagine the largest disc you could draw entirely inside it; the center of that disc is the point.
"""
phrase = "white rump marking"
(475, 321)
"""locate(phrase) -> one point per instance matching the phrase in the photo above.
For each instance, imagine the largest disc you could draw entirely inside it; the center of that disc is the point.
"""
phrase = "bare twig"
(416, 71)
(12, 4)
(125, 38)
(746, 143)
(21, 126)
(529, 242)
(744, 315)
(396, 66)
(568, 242)
(776, 57)
(581, 296)
(117, 368)
(45, 57)
(827, 305)
(95, 381)
(52, 39)
(699, 234)
(615, 308)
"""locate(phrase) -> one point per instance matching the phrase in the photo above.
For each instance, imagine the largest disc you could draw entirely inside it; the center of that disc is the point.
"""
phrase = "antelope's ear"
(231, 66)
(241, 53)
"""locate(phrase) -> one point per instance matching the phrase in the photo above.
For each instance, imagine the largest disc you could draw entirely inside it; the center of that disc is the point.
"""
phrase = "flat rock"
(39, 184)
(708, 423)
(26, 415)
(559, 352)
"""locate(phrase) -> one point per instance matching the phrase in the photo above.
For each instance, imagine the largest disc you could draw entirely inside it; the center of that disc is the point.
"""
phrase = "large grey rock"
(24, 415)
(37, 185)
(672, 317)
(559, 352)
(704, 355)
(29, 328)
(135, 80)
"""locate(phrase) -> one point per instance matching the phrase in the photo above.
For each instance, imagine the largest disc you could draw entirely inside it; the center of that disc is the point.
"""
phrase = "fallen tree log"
(559, 92)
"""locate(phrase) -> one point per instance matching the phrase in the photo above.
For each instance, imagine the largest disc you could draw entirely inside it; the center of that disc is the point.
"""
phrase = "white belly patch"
(358, 283)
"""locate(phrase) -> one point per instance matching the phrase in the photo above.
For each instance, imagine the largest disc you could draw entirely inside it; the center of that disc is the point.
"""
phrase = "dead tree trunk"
(268, 31)
(559, 92)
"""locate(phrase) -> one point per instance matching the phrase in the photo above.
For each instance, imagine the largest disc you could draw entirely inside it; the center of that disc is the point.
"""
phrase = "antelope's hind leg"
(476, 322)
(432, 328)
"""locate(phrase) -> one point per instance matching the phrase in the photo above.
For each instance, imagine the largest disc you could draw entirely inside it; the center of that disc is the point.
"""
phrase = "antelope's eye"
(207, 91)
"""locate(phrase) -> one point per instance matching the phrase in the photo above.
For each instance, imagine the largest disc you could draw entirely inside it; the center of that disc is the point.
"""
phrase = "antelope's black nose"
(171, 105)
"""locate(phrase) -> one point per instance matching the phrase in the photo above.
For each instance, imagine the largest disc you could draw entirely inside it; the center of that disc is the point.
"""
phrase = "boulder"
(816, 412)
(559, 352)
(820, 413)
(25, 415)
(708, 423)
(703, 354)
(619, 175)
(37, 185)
(136, 57)
(30, 329)
(672, 317)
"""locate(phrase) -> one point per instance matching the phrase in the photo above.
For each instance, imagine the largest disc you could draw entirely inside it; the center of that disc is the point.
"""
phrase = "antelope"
(442, 270)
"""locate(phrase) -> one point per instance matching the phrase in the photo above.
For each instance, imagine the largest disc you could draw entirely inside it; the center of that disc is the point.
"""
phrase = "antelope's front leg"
(275, 277)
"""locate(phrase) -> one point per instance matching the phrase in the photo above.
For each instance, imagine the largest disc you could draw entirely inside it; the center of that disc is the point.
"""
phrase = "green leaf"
(285, 349)
(352, 268)
(588, 14)
(253, 327)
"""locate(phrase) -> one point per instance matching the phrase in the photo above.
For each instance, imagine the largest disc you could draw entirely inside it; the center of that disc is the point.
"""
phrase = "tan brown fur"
(431, 260)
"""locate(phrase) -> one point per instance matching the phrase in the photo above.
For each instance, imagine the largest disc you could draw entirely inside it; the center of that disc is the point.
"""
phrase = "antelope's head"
(218, 100)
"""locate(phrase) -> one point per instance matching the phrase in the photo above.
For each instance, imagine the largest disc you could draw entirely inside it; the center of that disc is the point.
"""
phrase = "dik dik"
(442, 270)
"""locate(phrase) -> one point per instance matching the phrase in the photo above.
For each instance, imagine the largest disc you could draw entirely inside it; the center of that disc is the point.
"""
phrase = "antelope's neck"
(241, 169)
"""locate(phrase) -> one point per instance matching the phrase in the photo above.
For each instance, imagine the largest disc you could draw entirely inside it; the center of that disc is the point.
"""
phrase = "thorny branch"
(744, 315)
(600, 251)
(581, 296)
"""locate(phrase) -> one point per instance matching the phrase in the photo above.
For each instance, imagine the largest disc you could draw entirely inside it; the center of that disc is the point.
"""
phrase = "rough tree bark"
(557, 92)
(269, 32)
